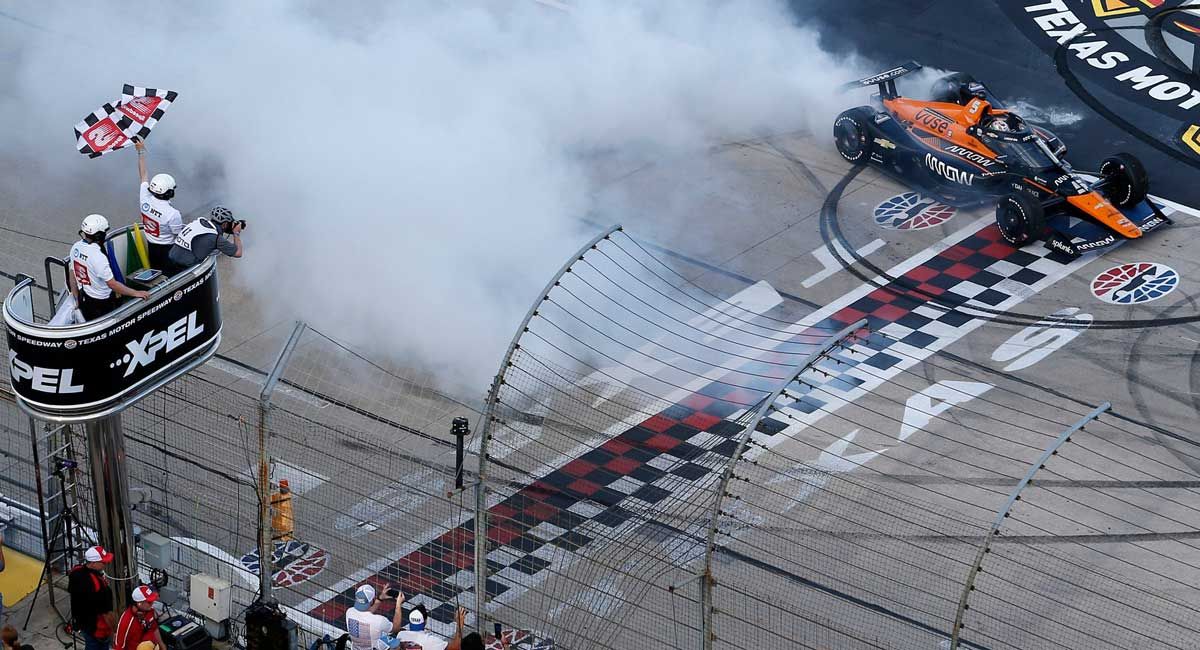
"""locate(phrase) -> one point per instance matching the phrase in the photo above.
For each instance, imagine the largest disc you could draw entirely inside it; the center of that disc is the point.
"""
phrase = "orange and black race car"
(964, 146)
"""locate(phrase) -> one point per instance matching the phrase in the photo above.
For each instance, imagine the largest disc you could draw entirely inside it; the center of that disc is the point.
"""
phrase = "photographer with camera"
(364, 625)
(198, 239)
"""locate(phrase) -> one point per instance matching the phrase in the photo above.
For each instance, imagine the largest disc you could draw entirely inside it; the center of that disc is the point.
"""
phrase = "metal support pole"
(707, 631)
(489, 419)
(984, 548)
(106, 454)
(481, 513)
(266, 550)
(481, 552)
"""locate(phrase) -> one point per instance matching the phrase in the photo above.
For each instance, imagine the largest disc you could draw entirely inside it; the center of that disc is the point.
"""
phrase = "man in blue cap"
(365, 625)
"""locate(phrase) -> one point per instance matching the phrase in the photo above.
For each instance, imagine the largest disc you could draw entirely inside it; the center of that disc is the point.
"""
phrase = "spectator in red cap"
(139, 623)
(92, 599)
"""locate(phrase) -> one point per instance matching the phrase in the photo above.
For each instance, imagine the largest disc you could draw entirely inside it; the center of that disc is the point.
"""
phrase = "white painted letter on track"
(920, 409)
(1041, 339)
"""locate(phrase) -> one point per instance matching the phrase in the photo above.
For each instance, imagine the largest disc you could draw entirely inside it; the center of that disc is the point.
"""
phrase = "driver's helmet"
(1005, 123)
(976, 89)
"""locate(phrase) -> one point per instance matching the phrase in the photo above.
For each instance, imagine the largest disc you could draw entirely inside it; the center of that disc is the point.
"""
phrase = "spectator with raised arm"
(161, 222)
(364, 624)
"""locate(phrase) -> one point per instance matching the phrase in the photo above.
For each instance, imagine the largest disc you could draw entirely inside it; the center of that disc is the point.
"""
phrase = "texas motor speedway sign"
(85, 369)
(1142, 50)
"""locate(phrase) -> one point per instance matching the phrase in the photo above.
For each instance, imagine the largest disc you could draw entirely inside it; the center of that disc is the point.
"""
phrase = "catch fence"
(656, 464)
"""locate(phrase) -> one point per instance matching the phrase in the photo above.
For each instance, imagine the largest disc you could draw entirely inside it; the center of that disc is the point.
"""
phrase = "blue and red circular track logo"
(1135, 283)
(295, 562)
(911, 211)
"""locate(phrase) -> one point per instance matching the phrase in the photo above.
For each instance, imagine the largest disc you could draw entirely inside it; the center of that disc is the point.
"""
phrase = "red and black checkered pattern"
(690, 440)
(114, 125)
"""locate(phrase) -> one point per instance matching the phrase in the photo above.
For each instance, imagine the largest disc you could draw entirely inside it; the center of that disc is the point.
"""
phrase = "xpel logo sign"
(45, 380)
(144, 351)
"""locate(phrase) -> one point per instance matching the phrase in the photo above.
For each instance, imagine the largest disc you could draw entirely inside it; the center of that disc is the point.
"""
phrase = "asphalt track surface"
(789, 211)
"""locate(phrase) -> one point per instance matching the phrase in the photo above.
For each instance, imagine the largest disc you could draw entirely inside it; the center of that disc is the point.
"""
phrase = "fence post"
(266, 550)
(489, 417)
(708, 634)
(986, 546)
(480, 528)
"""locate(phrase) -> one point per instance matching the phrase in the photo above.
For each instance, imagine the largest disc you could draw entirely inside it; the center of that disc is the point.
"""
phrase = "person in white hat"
(161, 222)
(415, 633)
(364, 624)
(91, 278)
(139, 623)
(92, 599)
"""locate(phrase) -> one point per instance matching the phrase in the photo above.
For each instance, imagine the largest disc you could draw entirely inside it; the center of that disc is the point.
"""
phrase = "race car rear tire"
(1128, 182)
(1020, 218)
(850, 134)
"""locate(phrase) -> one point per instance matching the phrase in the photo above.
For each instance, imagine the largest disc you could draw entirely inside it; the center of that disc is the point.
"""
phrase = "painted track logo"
(911, 211)
(294, 562)
(1146, 51)
(1135, 283)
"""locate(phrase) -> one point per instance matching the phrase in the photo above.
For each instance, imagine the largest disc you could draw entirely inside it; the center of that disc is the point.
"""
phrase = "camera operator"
(198, 239)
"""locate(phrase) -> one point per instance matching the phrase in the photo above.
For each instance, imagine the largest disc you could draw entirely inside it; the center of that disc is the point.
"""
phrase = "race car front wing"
(1074, 237)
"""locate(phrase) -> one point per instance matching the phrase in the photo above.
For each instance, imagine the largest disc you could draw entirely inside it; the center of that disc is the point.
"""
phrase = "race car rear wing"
(886, 80)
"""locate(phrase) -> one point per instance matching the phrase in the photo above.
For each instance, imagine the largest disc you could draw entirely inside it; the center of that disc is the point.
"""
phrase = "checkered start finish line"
(601, 488)
(114, 125)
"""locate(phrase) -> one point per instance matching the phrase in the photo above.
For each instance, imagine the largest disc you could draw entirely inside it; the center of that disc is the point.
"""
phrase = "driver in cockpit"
(1004, 122)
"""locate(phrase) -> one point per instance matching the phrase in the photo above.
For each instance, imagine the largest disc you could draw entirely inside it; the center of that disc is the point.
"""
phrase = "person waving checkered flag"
(114, 125)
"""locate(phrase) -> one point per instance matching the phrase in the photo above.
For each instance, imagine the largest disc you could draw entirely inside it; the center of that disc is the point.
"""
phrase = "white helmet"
(94, 223)
(162, 184)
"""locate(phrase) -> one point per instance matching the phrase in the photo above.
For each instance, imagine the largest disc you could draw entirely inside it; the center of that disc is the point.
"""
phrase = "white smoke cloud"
(413, 171)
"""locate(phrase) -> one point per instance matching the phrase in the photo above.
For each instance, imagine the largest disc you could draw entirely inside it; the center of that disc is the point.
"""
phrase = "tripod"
(64, 528)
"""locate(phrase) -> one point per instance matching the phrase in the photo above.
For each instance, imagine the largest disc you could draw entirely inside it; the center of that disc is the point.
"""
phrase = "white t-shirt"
(366, 627)
(426, 640)
(91, 269)
(160, 220)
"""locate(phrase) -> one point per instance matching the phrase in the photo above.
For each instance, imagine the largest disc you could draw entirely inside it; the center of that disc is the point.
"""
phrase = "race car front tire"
(1127, 183)
(1020, 218)
(850, 134)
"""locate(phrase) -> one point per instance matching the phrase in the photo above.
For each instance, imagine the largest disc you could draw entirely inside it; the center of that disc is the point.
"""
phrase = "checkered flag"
(145, 107)
(115, 124)
(102, 131)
